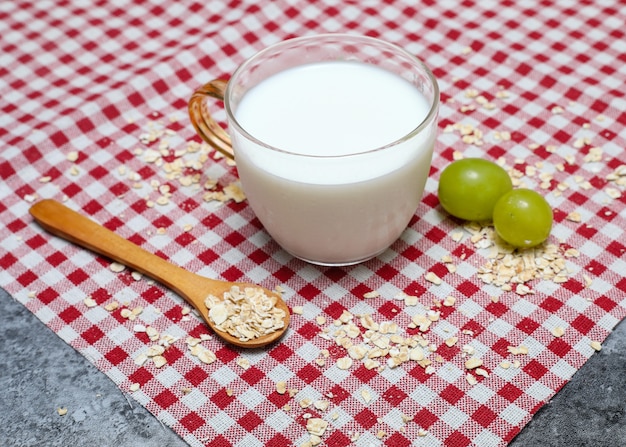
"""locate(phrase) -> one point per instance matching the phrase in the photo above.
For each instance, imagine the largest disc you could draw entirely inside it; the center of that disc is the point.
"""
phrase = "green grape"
(522, 218)
(469, 188)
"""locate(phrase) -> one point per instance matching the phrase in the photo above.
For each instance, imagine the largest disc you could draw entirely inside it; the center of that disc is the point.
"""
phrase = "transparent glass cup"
(331, 208)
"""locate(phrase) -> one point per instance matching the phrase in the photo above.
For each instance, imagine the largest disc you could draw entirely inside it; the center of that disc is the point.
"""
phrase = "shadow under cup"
(330, 209)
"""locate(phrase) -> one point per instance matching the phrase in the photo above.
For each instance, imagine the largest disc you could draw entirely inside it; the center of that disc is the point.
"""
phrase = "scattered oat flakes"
(574, 216)
(594, 155)
(113, 305)
(558, 331)
(518, 350)
(371, 294)
(473, 362)
(117, 267)
(469, 134)
(159, 361)
(503, 94)
(596, 345)
(344, 363)
(316, 426)
(234, 192)
(618, 176)
(581, 142)
(481, 372)
(502, 135)
(613, 193)
(449, 301)
(321, 404)
(141, 359)
(152, 333)
(367, 396)
(133, 387)
(433, 278)
(139, 328)
(411, 300)
(471, 379)
(90, 302)
(451, 341)
(457, 236)
(471, 93)
(155, 350)
(162, 200)
(243, 363)
(507, 267)
(203, 354)
(62, 411)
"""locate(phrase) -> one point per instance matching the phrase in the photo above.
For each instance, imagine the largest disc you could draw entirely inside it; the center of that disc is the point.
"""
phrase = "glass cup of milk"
(333, 138)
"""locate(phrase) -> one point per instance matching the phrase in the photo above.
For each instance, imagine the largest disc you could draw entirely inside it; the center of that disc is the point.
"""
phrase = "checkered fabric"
(84, 85)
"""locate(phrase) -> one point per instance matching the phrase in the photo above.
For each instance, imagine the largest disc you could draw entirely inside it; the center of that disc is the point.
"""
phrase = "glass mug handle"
(203, 122)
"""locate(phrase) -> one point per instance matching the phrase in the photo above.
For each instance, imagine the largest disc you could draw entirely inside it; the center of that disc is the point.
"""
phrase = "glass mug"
(333, 138)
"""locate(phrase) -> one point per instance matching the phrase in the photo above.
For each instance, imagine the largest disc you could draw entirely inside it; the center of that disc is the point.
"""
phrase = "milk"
(330, 194)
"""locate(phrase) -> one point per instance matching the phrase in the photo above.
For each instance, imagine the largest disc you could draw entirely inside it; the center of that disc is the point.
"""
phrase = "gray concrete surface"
(39, 373)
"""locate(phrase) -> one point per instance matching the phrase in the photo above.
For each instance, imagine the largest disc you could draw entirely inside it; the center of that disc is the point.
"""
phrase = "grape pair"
(475, 189)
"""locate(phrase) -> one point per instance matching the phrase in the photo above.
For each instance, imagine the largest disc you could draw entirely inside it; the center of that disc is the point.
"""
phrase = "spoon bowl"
(74, 227)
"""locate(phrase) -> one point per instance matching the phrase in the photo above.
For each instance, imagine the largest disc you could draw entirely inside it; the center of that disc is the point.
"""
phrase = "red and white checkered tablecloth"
(93, 98)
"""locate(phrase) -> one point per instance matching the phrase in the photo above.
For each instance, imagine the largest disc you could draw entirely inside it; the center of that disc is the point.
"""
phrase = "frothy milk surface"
(318, 206)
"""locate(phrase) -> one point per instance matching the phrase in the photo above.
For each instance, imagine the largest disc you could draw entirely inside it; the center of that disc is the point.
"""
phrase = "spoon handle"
(74, 227)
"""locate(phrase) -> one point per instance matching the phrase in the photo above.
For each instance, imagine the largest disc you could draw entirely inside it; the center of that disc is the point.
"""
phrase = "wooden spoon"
(68, 224)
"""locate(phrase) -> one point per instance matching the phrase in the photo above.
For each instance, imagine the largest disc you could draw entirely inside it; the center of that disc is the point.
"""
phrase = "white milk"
(338, 201)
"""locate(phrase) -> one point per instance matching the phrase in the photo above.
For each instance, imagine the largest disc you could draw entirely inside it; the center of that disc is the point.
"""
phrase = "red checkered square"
(397, 440)
(93, 335)
(458, 439)
(116, 356)
(250, 421)
(452, 394)
(165, 399)
(192, 422)
(366, 418)
(221, 399)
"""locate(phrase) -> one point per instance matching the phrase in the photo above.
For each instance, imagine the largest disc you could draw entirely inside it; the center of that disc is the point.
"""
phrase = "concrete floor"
(40, 372)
